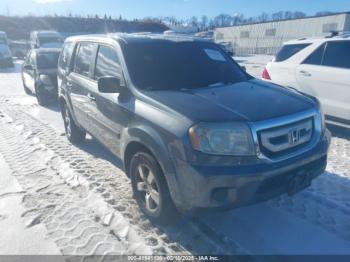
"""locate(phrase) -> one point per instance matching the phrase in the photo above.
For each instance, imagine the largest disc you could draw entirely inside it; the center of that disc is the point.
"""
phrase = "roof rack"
(340, 34)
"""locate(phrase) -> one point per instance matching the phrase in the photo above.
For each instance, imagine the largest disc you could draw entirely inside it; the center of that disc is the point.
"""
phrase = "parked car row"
(39, 74)
(19, 49)
(191, 127)
(5, 52)
(319, 67)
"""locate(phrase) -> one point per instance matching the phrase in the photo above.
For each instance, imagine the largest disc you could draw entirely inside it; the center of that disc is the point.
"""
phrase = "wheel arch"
(147, 139)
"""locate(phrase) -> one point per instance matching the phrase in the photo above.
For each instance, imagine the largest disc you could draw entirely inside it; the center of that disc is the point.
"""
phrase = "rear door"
(282, 69)
(29, 74)
(325, 74)
(79, 81)
(108, 115)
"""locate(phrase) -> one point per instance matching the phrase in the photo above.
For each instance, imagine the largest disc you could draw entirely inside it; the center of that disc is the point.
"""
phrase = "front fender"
(152, 140)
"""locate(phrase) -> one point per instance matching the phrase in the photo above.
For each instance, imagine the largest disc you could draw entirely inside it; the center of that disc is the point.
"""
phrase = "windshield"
(48, 40)
(47, 60)
(166, 65)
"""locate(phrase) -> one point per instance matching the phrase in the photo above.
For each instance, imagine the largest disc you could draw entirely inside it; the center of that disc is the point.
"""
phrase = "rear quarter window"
(287, 51)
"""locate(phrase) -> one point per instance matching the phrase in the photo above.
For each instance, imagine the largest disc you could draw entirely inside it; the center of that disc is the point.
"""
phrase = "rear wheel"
(74, 134)
(150, 188)
(41, 96)
(26, 89)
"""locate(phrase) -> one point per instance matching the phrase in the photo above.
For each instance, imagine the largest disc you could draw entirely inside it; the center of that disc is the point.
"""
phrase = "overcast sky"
(178, 8)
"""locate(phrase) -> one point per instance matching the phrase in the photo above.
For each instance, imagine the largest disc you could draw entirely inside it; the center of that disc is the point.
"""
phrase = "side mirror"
(28, 67)
(109, 84)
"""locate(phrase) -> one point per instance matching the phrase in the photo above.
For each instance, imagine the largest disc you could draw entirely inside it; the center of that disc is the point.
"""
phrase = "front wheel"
(74, 134)
(41, 96)
(150, 188)
(26, 89)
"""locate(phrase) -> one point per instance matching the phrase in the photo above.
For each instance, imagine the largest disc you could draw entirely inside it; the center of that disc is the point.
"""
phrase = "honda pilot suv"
(192, 129)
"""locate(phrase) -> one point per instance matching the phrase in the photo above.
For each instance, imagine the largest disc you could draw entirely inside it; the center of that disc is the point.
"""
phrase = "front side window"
(167, 65)
(316, 57)
(83, 59)
(107, 63)
(287, 51)
(65, 56)
(337, 54)
(48, 60)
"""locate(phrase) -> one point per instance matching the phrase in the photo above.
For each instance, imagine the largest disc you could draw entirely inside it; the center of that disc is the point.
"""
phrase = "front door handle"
(69, 84)
(305, 73)
(91, 97)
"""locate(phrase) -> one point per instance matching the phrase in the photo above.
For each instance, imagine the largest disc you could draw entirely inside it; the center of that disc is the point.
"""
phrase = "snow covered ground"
(80, 199)
(255, 64)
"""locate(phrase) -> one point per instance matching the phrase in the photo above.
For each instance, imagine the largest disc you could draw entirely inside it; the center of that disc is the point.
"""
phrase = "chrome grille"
(283, 139)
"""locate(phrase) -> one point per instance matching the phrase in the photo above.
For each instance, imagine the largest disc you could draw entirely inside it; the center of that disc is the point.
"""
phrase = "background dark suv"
(39, 74)
(191, 127)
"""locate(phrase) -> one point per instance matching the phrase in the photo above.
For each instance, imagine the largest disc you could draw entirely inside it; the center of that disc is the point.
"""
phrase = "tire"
(41, 96)
(74, 133)
(26, 89)
(151, 190)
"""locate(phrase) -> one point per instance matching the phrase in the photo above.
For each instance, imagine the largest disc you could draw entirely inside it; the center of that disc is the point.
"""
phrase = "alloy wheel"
(148, 188)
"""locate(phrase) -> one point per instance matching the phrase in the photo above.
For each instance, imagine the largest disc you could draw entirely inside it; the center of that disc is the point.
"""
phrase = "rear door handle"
(305, 73)
(91, 97)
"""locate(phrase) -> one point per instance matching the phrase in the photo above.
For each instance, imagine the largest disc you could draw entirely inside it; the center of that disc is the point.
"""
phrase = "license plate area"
(299, 182)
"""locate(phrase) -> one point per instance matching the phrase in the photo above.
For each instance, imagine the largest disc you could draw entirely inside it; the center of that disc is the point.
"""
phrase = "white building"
(267, 37)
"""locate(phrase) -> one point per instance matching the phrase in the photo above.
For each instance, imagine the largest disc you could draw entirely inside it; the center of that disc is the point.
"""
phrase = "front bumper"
(239, 185)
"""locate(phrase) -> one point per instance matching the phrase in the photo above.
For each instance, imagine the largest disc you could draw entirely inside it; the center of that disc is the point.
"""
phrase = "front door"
(79, 82)
(326, 75)
(109, 111)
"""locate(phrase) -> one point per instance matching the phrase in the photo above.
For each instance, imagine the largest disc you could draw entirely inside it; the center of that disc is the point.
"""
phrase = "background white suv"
(318, 67)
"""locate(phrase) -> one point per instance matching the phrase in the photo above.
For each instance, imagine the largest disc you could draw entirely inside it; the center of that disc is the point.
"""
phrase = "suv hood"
(251, 101)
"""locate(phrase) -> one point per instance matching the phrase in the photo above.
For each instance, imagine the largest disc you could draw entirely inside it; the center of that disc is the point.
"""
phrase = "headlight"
(222, 139)
(45, 79)
(322, 117)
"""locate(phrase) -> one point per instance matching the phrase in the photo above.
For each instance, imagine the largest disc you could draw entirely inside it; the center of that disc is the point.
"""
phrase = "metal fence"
(259, 46)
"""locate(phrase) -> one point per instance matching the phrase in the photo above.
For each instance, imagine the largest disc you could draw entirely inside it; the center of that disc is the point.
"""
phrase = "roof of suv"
(342, 37)
(47, 50)
(138, 37)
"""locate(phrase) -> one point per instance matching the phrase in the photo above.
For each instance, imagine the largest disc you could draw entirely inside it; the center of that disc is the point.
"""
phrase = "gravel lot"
(83, 198)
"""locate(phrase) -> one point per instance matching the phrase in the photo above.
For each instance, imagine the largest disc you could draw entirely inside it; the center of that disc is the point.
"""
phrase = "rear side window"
(83, 59)
(65, 56)
(337, 54)
(316, 57)
(107, 63)
(288, 51)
